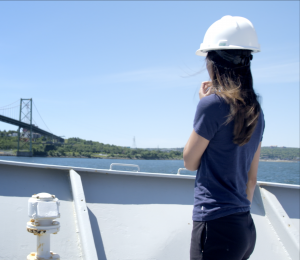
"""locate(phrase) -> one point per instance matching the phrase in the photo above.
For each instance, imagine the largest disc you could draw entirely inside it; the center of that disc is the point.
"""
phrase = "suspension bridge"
(19, 113)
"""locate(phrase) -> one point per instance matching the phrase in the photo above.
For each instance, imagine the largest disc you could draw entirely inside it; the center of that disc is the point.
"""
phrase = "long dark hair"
(232, 80)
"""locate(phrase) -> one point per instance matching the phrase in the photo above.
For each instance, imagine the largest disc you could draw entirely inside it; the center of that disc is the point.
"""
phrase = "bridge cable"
(9, 111)
(41, 117)
(11, 104)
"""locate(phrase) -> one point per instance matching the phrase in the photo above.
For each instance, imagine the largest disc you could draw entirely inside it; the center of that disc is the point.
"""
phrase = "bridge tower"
(25, 136)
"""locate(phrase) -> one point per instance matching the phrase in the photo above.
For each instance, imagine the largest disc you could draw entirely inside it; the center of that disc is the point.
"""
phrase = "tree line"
(280, 153)
(76, 147)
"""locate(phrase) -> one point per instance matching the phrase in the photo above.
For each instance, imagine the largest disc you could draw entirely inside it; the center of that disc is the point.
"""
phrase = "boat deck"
(121, 215)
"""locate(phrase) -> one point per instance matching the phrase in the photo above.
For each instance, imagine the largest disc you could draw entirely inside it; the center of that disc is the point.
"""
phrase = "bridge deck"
(27, 126)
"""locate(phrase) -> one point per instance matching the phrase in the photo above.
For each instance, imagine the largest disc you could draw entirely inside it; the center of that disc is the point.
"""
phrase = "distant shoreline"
(288, 161)
(261, 160)
(85, 157)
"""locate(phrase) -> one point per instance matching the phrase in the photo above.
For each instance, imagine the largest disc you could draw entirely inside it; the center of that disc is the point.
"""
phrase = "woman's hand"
(205, 89)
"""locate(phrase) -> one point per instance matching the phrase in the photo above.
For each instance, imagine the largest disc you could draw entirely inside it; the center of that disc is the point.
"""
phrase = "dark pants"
(227, 238)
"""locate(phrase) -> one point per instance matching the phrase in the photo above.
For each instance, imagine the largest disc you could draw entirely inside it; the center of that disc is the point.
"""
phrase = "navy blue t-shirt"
(220, 185)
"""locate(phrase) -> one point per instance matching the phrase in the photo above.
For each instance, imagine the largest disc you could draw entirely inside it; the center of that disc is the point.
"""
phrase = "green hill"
(280, 153)
(76, 147)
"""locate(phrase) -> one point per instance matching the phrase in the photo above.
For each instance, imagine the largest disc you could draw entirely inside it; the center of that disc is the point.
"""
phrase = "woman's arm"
(193, 151)
(196, 144)
(252, 175)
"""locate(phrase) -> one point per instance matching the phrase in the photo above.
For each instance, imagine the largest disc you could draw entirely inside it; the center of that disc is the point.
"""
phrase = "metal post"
(43, 246)
(43, 208)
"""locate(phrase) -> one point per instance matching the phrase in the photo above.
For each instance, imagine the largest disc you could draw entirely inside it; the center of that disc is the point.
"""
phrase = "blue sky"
(109, 71)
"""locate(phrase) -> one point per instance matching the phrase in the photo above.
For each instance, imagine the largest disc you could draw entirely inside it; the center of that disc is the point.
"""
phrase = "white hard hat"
(230, 32)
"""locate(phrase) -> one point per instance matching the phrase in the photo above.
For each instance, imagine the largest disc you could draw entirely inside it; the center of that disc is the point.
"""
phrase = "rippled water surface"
(281, 172)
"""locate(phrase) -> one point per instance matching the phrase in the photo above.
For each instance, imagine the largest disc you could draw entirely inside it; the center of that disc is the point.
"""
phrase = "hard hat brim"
(203, 52)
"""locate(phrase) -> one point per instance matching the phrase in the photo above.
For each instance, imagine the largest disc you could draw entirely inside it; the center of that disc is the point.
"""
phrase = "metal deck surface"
(122, 215)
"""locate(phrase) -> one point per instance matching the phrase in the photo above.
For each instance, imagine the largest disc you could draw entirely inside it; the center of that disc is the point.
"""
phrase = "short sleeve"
(210, 116)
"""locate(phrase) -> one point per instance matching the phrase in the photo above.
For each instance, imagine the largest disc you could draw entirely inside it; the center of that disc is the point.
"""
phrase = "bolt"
(37, 197)
(33, 254)
(53, 196)
(31, 220)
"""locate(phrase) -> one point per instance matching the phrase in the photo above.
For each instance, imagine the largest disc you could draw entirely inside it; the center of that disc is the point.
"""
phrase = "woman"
(225, 144)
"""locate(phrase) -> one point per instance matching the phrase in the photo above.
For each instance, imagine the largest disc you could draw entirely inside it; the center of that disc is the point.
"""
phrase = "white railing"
(124, 164)
(181, 169)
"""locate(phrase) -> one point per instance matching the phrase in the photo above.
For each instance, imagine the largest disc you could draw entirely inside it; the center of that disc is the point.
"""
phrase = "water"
(281, 172)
